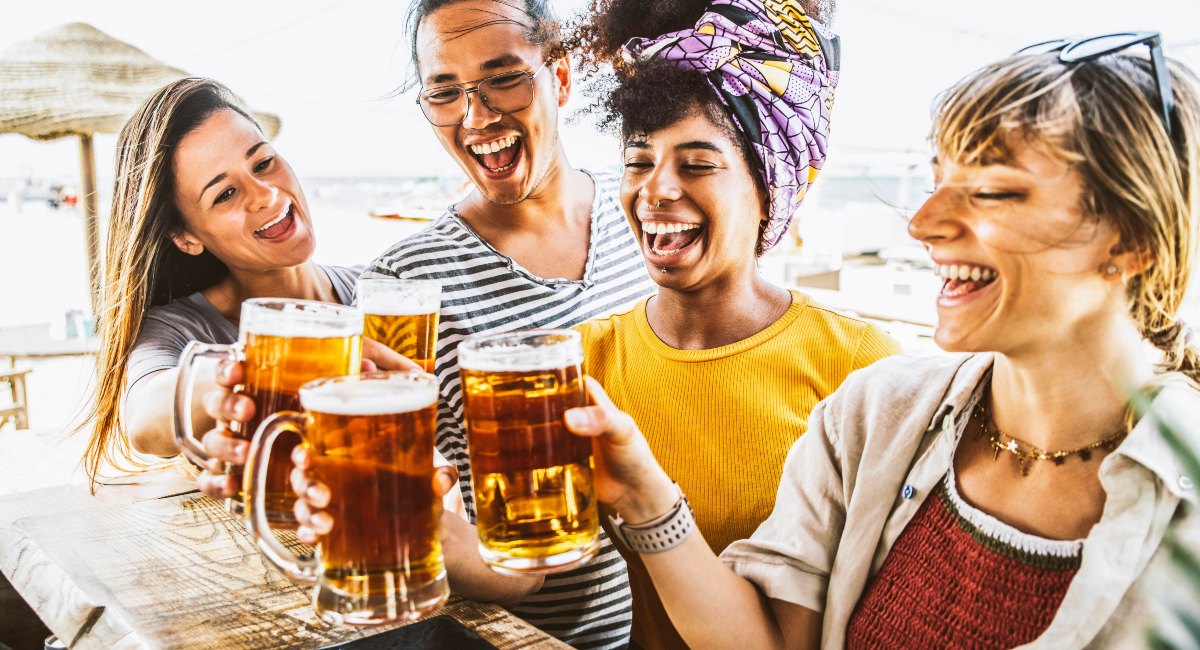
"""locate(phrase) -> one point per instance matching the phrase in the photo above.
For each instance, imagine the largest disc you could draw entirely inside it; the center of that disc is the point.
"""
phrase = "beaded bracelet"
(659, 534)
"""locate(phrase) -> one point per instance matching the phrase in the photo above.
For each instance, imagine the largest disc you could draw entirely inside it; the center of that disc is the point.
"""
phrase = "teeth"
(493, 147)
(964, 272)
(658, 228)
(282, 215)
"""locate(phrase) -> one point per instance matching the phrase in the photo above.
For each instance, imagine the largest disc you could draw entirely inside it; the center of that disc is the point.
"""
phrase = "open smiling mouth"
(278, 227)
(499, 156)
(669, 239)
(963, 279)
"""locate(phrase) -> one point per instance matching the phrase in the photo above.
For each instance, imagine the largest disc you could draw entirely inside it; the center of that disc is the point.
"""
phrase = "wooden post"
(91, 221)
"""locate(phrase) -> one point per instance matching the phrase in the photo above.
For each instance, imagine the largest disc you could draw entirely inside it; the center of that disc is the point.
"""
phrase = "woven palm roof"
(77, 80)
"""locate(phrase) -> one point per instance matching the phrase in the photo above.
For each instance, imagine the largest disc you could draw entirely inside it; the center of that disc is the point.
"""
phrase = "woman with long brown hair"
(1008, 494)
(205, 215)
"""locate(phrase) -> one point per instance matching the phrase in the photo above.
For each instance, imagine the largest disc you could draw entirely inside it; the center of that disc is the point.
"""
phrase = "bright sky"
(325, 66)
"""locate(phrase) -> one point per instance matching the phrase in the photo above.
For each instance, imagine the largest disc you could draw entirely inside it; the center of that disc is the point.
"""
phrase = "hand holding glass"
(534, 495)
(282, 344)
(371, 438)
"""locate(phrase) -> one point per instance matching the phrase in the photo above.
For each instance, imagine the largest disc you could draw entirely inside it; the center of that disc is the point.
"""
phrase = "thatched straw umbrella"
(75, 80)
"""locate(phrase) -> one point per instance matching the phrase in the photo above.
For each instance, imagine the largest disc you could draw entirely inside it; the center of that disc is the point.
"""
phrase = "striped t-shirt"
(485, 291)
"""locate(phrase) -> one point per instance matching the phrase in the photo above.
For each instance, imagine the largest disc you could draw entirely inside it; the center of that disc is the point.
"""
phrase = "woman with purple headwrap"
(723, 110)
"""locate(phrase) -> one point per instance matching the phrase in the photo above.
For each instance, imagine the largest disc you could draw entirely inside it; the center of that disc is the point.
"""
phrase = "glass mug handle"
(185, 385)
(297, 568)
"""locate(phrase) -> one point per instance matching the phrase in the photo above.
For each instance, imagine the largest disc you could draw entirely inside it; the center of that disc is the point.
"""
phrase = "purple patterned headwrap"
(775, 70)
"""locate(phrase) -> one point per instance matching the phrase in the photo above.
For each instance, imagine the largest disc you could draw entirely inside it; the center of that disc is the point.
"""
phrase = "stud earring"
(1111, 270)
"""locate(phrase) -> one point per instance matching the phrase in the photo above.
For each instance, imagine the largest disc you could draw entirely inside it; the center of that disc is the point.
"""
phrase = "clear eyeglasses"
(504, 94)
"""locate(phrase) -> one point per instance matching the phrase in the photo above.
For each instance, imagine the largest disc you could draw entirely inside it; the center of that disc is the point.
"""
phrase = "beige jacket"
(894, 424)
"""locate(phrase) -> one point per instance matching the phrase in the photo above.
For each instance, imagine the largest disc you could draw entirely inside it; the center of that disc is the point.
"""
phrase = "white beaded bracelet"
(659, 534)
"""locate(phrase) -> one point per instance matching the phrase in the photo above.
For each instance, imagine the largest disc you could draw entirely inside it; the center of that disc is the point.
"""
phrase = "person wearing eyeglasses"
(1007, 494)
(537, 243)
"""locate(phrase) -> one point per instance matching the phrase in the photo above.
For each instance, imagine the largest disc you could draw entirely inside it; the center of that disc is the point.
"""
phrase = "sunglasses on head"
(1087, 48)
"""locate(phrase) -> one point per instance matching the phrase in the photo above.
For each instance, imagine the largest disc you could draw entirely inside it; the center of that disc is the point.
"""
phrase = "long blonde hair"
(1103, 118)
(143, 268)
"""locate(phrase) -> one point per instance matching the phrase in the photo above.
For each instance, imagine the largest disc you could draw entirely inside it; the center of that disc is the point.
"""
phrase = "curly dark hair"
(645, 96)
(545, 30)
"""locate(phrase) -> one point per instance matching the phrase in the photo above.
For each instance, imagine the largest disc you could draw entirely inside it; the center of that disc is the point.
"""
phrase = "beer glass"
(534, 498)
(282, 344)
(403, 315)
(371, 437)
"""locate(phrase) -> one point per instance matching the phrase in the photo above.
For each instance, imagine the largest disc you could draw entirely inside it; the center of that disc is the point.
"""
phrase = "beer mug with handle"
(403, 315)
(371, 437)
(534, 497)
(282, 344)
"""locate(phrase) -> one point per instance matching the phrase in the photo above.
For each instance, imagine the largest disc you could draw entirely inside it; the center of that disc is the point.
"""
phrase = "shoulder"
(1176, 406)
(182, 312)
(348, 274)
(902, 375)
(814, 314)
(345, 279)
(439, 242)
(865, 342)
(601, 332)
(899, 394)
(608, 195)
(607, 181)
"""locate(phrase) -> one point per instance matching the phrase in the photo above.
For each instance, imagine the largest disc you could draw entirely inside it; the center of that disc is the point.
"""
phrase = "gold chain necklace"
(1027, 453)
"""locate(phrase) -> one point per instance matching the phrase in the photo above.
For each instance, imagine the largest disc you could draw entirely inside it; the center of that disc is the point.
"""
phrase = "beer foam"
(399, 297)
(371, 396)
(521, 351)
(385, 305)
(299, 319)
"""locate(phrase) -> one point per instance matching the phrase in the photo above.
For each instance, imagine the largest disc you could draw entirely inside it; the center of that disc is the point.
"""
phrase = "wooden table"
(176, 572)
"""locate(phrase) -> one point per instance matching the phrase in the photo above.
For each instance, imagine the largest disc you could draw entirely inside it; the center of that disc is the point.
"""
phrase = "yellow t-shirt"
(721, 421)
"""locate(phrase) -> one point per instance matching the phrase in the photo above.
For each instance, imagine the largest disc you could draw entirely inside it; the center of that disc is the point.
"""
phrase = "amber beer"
(403, 315)
(534, 497)
(283, 344)
(372, 438)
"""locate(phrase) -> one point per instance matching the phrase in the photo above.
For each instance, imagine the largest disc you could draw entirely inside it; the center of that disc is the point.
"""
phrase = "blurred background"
(329, 70)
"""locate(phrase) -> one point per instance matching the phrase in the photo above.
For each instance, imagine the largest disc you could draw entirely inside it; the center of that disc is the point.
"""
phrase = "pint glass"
(282, 344)
(403, 315)
(534, 498)
(372, 441)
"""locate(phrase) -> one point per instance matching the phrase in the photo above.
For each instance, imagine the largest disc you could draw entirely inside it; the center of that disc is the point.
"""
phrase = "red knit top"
(957, 578)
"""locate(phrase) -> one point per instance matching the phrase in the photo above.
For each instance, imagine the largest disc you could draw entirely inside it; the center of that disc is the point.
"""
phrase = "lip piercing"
(663, 269)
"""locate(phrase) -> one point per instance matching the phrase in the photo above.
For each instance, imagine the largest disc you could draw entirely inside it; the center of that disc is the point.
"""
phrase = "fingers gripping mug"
(282, 344)
(371, 438)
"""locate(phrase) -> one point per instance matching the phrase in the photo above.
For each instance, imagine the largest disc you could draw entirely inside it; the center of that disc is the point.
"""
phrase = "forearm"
(469, 576)
(709, 604)
(149, 414)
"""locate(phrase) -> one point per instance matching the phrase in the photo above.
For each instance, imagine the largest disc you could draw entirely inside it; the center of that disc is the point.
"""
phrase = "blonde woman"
(1006, 495)
(206, 214)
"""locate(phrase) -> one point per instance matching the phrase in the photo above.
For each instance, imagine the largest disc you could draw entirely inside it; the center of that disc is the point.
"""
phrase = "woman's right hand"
(627, 477)
(313, 495)
(225, 406)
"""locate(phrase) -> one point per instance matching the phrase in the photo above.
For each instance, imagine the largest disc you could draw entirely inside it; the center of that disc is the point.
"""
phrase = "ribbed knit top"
(721, 421)
(960, 578)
